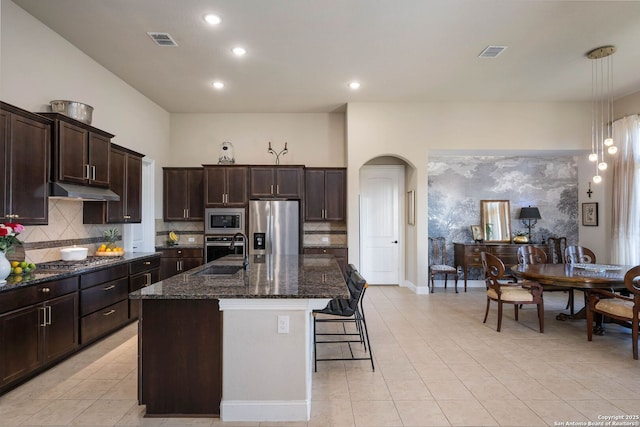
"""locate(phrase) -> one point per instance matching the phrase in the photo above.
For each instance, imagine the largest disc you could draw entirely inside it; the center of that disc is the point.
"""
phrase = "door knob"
(395, 241)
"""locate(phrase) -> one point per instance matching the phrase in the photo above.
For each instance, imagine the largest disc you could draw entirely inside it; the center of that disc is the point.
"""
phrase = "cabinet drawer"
(474, 260)
(104, 321)
(474, 250)
(102, 276)
(37, 293)
(182, 253)
(139, 281)
(144, 265)
(100, 296)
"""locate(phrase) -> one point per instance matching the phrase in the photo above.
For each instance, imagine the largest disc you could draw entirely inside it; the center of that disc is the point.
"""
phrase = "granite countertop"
(284, 276)
(39, 276)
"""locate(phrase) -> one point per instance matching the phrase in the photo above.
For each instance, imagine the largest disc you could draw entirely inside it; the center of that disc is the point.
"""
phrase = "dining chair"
(577, 255)
(509, 293)
(557, 245)
(438, 262)
(618, 307)
(345, 311)
(531, 255)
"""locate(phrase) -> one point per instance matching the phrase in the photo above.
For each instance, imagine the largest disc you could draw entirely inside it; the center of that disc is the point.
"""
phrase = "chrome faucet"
(232, 246)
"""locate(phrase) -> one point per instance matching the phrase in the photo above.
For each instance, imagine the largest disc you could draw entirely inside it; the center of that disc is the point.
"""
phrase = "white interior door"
(141, 237)
(380, 223)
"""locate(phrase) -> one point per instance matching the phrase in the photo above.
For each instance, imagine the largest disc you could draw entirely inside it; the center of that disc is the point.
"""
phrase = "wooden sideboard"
(468, 254)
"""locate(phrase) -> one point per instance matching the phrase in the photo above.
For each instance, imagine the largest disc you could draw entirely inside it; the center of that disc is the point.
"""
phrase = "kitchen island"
(219, 340)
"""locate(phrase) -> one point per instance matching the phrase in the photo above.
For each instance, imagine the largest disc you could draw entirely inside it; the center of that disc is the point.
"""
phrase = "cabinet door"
(21, 338)
(263, 182)
(314, 195)
(4, 144)
(116, 210)
(335, 194)
(195, 192)
(174, 198)
(236, 186)
(61, 333)
(99, 152)
(288, 182)
(169, 267)
(215, 184)
(133, 207)
(29, 176)
(73, 152)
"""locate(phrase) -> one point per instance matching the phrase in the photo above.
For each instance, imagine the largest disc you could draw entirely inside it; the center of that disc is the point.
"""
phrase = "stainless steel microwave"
(224, 220)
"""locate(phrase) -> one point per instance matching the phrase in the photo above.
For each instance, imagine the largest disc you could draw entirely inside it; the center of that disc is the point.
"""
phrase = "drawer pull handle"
(108, 288)
(147, 263)
(109, 313)
(45, 290)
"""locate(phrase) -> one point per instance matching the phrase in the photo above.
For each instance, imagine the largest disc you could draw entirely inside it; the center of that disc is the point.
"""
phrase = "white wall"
(411, 130)
(38, 66)
(313, 139)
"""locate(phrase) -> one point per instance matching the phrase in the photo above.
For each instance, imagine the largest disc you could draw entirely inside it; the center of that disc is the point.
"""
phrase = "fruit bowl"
(105, 250)
(20, 268)
(111, 253)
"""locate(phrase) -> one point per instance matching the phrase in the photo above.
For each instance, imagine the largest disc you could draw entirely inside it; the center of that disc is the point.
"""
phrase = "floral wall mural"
(458, 183)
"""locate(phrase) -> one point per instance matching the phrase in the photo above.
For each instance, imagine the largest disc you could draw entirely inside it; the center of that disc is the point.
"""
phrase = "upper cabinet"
(276, 181)
(325, 194)
(183, 194)
(81, 152)
(225, 186)
(126, 181)
(25, 157)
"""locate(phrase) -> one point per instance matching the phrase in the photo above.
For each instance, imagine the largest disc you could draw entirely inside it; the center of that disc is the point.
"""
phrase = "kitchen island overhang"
(265, 369)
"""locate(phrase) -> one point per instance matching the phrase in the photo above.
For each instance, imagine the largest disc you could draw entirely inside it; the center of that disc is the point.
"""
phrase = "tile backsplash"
(42, 243)
(325, 234)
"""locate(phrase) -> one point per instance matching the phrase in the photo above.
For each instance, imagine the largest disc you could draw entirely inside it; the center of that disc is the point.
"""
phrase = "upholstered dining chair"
(509, 293)
(438, 262)
(617, 306)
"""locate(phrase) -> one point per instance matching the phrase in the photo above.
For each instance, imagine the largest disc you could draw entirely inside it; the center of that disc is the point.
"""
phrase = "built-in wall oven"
(218, 246)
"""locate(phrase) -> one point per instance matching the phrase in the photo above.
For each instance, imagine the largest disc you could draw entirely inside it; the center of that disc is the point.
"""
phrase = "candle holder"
(278, 154)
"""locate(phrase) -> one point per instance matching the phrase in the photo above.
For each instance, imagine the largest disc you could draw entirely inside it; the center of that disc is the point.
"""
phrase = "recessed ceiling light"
(239, 51)
(217, 84)
(212, 19)
(354, 85)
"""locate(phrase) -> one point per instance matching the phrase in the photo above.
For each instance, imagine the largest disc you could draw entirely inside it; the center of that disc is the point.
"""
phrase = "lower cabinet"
(38, 326)
(175, 261)
(142, 273)
(104, 302)
(341, 255)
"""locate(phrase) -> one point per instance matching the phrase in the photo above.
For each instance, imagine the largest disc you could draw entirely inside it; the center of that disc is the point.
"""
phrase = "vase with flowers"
(8, 239)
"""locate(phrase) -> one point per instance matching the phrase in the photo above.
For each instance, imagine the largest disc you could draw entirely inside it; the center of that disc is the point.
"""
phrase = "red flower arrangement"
(8, 233)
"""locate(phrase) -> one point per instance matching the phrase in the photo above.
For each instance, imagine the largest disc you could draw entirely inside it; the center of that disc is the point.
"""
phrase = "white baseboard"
(265, 410)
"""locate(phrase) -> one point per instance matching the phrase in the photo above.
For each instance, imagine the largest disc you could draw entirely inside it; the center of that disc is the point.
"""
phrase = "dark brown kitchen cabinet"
(81, 152)
(25, 158)
(225, 186)
(142, 273)
(174, 261)
(126, 181)
(325, 194)
(104, 302)
(276, 181)
(183, 194)
(38, 326)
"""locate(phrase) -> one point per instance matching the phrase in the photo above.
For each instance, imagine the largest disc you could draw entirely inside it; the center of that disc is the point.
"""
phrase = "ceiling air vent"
(491, 51)
(163, 39)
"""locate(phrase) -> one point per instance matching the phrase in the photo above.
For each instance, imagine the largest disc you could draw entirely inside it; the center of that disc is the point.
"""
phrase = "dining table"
(583, 277)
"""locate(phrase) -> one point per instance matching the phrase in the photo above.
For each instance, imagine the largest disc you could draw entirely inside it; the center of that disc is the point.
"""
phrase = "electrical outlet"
(192, 239)
(283, 324)
(325, 239)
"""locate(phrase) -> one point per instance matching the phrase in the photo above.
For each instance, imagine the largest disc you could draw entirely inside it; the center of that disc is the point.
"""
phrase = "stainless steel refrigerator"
(274, 227)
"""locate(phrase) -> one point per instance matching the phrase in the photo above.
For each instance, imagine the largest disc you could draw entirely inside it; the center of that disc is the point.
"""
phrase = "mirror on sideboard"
(496, 220)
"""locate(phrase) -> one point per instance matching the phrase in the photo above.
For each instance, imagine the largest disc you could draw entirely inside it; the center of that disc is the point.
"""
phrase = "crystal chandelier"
(601, 107)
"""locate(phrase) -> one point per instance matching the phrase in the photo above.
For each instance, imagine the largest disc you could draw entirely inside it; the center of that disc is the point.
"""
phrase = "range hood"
(63, 189)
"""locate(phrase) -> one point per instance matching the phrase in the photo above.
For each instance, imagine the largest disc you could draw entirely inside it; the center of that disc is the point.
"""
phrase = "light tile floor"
(437, 364)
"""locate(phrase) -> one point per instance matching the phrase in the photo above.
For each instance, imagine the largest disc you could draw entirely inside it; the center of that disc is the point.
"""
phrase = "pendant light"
(601, 107)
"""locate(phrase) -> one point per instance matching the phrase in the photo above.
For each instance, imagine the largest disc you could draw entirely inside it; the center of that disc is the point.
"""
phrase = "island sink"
(220, 270)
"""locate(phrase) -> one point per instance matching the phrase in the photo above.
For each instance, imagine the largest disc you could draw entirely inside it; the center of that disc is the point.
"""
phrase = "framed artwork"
(476, 233)
(411, 207)
(590, 214)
